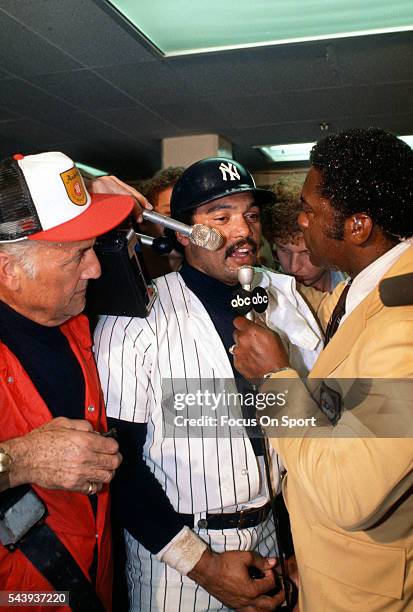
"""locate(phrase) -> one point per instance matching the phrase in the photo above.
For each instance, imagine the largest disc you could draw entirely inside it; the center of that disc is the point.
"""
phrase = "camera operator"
(51, 458)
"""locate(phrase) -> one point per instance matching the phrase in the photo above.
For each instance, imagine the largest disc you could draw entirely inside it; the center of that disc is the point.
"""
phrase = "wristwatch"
(5, 465)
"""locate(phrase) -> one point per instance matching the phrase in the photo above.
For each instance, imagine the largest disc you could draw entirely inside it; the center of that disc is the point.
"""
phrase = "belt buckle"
(241, 520)
(260, 513)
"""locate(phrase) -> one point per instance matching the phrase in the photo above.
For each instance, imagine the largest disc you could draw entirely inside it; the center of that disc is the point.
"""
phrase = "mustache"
(241, 243)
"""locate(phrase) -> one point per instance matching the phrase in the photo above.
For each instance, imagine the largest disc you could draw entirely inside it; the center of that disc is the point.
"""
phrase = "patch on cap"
(74, 186)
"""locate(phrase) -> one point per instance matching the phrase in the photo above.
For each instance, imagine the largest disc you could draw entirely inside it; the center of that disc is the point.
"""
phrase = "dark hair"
(280, 221)
(370, 171)
(161, 180)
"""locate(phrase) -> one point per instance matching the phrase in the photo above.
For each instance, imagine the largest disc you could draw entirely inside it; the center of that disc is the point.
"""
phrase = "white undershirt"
(369, 278)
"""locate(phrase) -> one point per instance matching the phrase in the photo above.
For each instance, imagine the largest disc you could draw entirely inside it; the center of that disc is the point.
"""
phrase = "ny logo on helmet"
(229, 170)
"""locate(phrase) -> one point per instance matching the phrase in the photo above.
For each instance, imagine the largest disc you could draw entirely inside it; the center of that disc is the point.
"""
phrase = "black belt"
(233, 520)
(52, 559)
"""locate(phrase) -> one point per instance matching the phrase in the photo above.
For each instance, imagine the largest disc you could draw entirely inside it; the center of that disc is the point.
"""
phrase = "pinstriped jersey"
(178, 341)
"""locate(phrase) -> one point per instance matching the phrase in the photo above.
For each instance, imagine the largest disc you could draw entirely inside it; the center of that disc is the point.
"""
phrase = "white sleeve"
(123, 356)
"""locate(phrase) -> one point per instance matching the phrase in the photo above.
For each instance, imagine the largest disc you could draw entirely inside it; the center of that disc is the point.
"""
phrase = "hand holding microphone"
(253, 357)
(201, 235)
(257, 349)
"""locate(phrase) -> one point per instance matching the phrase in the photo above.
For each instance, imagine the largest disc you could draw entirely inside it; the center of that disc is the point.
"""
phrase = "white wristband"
(183, 552)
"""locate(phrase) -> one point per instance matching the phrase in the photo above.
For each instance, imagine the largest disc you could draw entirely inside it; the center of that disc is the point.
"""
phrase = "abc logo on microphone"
(244, 301)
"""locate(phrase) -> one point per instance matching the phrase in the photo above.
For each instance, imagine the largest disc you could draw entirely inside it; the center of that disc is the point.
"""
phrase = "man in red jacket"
(54, 467)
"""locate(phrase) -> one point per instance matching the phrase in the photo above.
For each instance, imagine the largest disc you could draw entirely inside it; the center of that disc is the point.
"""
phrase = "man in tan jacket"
(349, 484)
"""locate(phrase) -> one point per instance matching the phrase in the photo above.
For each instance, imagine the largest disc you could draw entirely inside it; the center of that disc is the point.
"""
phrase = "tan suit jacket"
(350, 494)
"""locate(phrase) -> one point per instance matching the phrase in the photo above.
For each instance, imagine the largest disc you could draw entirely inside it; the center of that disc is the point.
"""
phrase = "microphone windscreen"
(397, 290)
(207, 237)
(245, 275)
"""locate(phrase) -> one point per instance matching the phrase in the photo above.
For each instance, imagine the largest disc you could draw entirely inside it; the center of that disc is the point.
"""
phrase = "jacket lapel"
(348, 333)
(343, 340)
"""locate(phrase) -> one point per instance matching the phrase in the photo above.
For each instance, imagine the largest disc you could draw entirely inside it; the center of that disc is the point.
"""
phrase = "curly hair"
(161, 180)
(370, 171)
(280, 220)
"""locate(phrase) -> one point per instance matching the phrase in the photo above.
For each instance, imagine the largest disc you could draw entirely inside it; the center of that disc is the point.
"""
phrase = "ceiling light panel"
(300, 151)
(179, 27)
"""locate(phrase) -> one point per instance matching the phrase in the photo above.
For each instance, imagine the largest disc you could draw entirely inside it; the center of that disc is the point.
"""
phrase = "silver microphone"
(201, 235)
(245, 278)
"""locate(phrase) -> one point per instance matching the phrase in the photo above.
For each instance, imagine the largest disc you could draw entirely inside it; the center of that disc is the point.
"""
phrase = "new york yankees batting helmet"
(213, 178)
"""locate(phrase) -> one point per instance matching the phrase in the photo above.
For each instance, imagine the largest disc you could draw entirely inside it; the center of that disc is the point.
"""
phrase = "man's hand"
(257, 350)
(63, 454)
(226, 577)
(111, 184)
(292, 572)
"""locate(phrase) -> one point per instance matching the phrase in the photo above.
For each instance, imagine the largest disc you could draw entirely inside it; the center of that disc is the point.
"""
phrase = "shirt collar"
(369, 278)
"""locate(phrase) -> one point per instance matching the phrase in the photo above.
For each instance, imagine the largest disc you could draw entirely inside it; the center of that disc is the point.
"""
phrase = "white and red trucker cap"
(43, 197)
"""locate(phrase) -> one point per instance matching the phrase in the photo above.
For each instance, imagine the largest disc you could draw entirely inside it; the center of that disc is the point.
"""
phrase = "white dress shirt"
(370, 277)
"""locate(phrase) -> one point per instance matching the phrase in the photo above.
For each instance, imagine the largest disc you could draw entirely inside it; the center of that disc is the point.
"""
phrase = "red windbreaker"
(70, 514)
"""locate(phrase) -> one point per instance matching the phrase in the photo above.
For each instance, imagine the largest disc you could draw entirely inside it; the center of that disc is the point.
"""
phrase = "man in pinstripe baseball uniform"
(196, 509)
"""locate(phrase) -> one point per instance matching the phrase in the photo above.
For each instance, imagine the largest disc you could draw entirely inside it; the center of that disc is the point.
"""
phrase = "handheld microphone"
(244, 301)
(397, 290)
(245, 278)
(201, 235)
